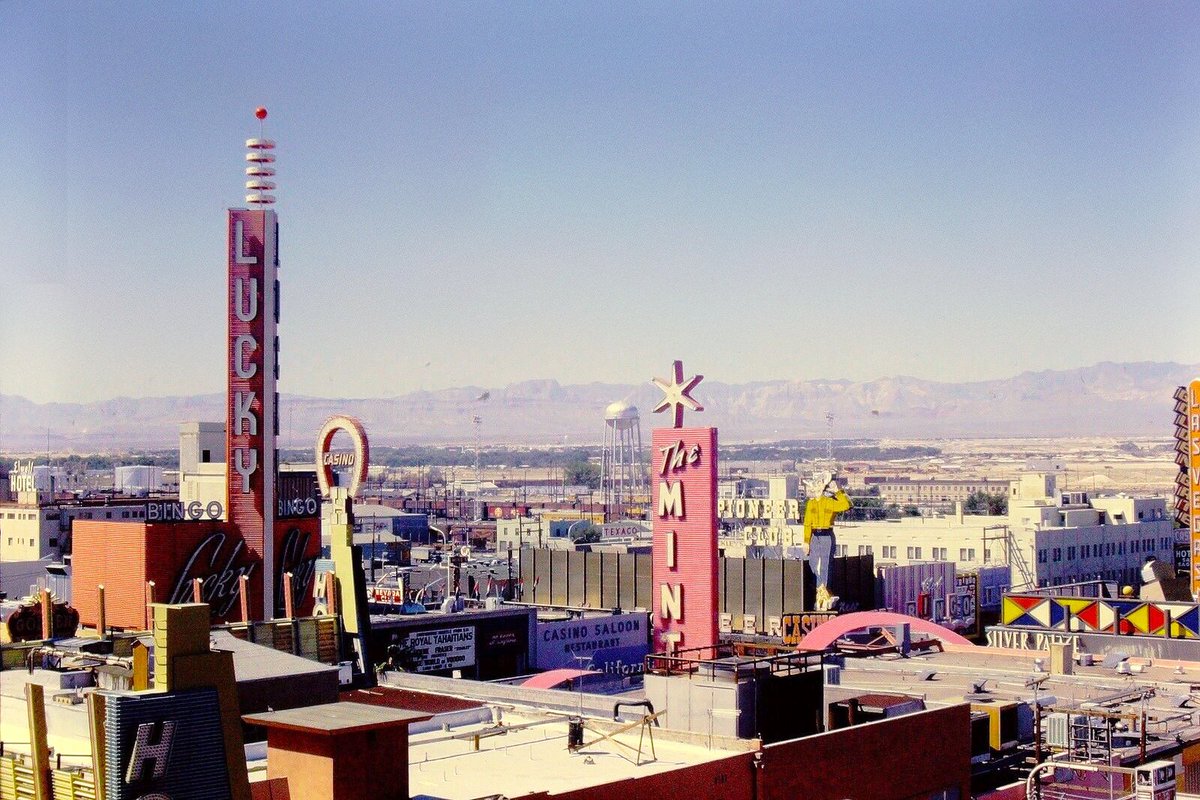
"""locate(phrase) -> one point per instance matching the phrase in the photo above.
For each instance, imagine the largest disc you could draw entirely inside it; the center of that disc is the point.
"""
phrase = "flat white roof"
(532, 756)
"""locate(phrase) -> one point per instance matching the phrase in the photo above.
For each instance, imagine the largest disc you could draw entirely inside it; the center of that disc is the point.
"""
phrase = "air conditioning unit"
(1058, 730)
(833, 675)
(1002, 732)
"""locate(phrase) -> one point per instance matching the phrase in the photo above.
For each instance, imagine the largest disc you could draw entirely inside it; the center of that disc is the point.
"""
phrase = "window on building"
(53, 542)
(1041, 556)
(914, 552)
(206, 456)
(889, 551)
(1071, 553)
(939, 554)
(1057, 554)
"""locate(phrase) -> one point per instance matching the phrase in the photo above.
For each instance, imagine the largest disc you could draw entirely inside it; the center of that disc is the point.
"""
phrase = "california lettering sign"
(684, 481)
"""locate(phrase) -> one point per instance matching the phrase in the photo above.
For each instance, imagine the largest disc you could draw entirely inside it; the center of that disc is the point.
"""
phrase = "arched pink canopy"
(826, 633)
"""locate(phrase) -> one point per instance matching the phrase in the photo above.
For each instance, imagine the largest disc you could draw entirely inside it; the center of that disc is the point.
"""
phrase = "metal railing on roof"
(735, 660)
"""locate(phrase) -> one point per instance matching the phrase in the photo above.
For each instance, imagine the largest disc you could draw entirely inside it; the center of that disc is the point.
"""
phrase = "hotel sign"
(1192, 464)
(250, 424)
(684, 506)
(164, 746)
(20, 478)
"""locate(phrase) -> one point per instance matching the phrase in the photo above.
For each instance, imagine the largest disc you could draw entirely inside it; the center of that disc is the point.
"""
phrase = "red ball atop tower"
(260, 112)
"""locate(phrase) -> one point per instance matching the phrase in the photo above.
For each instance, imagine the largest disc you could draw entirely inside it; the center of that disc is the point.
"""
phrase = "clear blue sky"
(477, 193)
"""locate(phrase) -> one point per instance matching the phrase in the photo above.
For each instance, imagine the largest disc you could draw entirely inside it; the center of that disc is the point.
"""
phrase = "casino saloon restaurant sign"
(576, 642)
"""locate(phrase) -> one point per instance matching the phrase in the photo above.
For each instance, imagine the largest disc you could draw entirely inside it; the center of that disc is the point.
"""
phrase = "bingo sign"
(574, 642)
(441, 650)
(194, 511)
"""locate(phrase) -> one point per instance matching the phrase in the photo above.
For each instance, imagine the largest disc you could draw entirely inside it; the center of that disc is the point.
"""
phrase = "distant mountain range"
(1107, 399)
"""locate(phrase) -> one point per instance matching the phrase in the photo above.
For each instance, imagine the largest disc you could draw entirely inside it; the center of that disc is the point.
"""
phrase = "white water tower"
(622, 474)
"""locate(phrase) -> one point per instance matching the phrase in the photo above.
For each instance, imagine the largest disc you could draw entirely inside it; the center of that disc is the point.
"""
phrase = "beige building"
(1047, 538)
(929, 494)
(202, 463)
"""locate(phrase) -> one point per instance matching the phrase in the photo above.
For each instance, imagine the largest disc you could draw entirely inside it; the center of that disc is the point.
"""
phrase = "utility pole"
(829, 438)
(478, 421)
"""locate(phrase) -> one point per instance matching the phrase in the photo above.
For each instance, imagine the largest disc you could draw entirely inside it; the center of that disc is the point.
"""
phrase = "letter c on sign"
(241, 345)
(361, 452)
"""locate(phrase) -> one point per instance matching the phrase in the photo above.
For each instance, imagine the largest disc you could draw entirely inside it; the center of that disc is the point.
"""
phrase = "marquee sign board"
(251, 414)
(440, 650)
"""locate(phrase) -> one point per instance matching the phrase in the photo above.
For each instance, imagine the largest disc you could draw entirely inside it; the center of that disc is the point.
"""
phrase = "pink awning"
(552, 678)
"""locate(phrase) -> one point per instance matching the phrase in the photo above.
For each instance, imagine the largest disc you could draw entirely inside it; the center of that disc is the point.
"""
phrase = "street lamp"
(446, 547)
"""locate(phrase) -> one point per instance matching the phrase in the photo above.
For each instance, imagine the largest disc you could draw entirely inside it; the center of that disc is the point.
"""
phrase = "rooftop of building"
(526, 753)
(1167, 691)
(336, 718)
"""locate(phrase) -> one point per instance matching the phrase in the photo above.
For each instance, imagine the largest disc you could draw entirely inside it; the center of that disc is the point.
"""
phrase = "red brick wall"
(123, 556)
(904, 758)
(896, 759)
(112, 554)
(726, 779)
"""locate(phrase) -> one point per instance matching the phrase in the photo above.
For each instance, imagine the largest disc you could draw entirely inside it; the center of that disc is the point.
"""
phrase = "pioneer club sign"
(684, 480)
